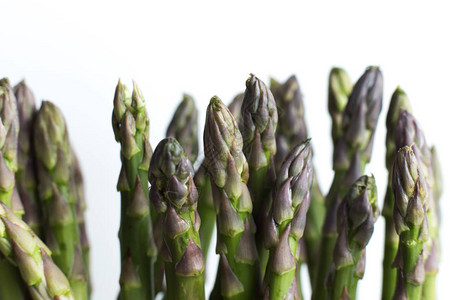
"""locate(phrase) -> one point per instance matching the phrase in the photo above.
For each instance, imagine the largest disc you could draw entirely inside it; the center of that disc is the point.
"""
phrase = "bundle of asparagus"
(41, 181)
(255, 183)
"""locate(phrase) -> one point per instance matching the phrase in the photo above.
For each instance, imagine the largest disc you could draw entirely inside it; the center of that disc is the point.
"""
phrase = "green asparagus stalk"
(399, 102)
(77, 187)
(432, 261)
(53, 162)
(339, 89)
(291, 130)
(409, 132)
(357, 215)
(184, 127)
(286, 223)
(203, 183)
(411, 223)
(174, 195)
(26, 172)
(11, 285)
(238, 275)
(9, 130)
(352, 152)
(137, 247)
(23, 249)
(259, 122)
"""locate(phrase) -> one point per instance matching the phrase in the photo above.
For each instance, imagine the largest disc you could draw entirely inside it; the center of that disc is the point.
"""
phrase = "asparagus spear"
(259, 122)
(26, 172)
(411, 223)
(399, 102)
(432, 262)
(174, 195)
(25, 250)
(11, 285)
(410, 133)
(286, 223)
(203, 183)
(357, 215)
(77, 187)
(339, 89)
(292, 130)
(184, 127)
(352, 152)
(9, 131)
(238, 275)
(137, 247)
(53, 161)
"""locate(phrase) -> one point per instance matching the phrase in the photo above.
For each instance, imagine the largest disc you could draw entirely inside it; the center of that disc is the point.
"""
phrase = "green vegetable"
(11, 285)
(286, 223)
(238, 275)
(292, 130)
(399, 102)
(137, 246)
(356, 221)
(411, 223)
(352, 152)
(26, 171)
(259, 122)
(174, 195)
(53, 162)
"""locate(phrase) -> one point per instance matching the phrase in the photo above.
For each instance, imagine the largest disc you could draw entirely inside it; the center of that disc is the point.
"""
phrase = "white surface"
(74, 52)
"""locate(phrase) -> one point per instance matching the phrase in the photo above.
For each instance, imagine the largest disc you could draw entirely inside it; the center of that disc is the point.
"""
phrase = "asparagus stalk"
(174, 195)
(352, 152)
(137, 247)
(357, 215)
(26, 172)
(77, 187)
(292, 130)
(11, 285)
(286, 223)
(432, 262)
(203, 183)
(259, 122)
(409, 132)
(399, 102)
(184, 127)
(9, 131)
(339, 89)
(53, 161)
(22, 248)
(411, 223)
(238, 275)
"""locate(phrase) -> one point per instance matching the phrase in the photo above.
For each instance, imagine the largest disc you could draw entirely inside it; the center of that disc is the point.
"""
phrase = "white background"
(74, 53)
